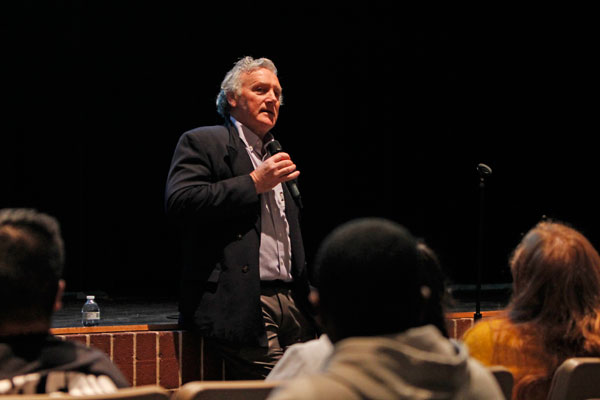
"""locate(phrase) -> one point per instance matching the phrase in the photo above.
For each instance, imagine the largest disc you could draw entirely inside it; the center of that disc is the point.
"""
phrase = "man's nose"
(272, 97)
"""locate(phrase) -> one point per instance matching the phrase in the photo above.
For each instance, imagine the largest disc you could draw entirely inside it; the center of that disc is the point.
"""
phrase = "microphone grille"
(274, 147)
(484, 170)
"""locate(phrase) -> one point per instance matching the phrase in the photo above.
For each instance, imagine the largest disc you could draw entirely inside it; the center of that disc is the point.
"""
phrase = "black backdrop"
(387, 113)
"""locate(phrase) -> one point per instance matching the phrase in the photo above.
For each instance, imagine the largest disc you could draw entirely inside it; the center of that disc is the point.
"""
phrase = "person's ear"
(231, 99)
(59, 294)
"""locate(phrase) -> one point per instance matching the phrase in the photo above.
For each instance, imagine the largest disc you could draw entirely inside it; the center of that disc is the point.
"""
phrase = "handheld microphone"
(273, 148)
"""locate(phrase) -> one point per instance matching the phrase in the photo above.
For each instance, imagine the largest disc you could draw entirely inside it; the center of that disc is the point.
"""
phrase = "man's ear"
(59, 294)
(231, 99)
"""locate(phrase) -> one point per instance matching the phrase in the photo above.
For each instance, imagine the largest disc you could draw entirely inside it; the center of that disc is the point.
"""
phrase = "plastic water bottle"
(90, 312)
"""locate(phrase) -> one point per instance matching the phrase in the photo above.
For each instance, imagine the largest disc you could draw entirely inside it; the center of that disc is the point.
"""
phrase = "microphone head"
(484, 170)
(273, 147)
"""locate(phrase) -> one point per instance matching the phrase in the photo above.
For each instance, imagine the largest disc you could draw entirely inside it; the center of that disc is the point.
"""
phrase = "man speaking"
(244, 284)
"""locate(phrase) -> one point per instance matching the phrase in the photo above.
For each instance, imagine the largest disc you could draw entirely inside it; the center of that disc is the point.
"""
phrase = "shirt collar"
(252, 141)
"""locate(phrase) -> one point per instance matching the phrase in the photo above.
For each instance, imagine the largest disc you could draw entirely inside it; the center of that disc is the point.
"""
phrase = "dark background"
(387, 113)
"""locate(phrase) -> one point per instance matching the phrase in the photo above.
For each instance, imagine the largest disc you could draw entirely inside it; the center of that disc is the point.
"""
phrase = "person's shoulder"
(487, 337)
(203, 136)
(320, 344)
(80, 351)
(214, 131)
(302, 359)
(486, 326)
(85, 358)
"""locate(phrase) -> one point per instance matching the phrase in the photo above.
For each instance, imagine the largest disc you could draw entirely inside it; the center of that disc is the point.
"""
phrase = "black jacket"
(43, 354)
(211, 197)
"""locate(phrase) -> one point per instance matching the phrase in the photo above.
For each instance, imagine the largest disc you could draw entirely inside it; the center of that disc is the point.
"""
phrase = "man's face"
(257, 106)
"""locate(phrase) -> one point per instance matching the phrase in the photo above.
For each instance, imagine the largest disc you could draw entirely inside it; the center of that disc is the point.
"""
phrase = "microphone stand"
(484, 171)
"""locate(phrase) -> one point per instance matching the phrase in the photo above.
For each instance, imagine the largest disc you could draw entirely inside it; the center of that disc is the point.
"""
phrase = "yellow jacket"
(497, 341)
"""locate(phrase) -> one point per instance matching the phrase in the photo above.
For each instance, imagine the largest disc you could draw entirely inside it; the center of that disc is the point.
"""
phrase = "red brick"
(145, 358)
(123, 354)
(451, 327)
(168, 360)
(101, 341)
(462, 325)
(191, 357)
(78, 338)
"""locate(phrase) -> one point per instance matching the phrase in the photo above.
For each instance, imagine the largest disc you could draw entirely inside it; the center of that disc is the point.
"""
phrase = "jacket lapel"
(240, 161)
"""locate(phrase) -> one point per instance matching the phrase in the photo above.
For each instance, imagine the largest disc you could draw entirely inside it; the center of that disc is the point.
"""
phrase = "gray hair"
(232, 82)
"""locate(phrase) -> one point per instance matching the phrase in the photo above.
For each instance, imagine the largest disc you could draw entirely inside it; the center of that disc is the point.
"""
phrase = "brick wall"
(170, 358)
(167, 358)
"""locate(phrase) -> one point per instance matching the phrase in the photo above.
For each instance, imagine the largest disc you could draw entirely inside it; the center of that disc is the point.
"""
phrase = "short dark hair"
(31, 264)
(368, 277)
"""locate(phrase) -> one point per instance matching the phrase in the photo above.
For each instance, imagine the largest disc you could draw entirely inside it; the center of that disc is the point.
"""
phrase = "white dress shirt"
(275, 246)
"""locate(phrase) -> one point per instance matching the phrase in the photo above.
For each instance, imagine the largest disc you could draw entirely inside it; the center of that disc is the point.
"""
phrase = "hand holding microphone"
(277, 169)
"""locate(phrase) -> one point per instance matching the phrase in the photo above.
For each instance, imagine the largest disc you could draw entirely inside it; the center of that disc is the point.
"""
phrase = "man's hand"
(275, 170)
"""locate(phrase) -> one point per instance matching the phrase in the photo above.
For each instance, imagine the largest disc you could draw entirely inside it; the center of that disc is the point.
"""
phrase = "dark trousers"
(285, 325)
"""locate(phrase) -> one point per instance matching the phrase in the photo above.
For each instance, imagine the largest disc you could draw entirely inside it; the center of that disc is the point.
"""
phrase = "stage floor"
(144, 310)
(118, 311)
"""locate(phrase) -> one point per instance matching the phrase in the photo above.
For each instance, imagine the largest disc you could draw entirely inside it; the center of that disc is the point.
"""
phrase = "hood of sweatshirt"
(418, 363)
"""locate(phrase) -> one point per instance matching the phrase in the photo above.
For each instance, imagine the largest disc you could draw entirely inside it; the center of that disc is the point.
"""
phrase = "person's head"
(555, 303)
(251, 93)
(31, 264)
(370, 280)
(556, 275)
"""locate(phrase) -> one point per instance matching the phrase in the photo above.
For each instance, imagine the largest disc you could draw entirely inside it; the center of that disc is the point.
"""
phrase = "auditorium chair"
(146, 392)
(230, 390)
(576, 378)
(505, 379)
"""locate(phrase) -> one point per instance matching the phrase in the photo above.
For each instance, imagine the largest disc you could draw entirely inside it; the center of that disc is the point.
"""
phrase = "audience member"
(31, 359)
(554, 312)
(374, 287)
(311, 357)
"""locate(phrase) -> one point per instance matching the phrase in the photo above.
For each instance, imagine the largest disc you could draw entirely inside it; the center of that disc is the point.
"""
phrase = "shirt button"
(245, 269)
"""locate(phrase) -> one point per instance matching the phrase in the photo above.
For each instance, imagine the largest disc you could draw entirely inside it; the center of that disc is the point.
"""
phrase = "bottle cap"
(90, 297)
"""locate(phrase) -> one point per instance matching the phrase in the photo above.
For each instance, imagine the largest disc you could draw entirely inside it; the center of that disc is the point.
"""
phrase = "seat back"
(505, 379)
(146, 392)
(230, 390)
(576, 378)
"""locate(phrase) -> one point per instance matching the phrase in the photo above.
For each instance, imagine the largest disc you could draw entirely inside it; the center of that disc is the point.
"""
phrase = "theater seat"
(147, 392)
(230, 390)
(576, 378)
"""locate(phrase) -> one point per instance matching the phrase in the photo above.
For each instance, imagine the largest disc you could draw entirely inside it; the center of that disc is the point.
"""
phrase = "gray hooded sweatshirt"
(417, 364)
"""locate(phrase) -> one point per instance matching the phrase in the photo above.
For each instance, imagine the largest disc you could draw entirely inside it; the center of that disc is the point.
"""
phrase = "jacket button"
(239, 236)
(245, 269)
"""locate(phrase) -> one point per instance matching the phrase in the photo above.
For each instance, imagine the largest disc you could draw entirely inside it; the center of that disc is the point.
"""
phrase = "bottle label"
(91, 315)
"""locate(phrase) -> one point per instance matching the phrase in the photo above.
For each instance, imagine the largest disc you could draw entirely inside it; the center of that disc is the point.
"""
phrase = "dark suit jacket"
(212, 197)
